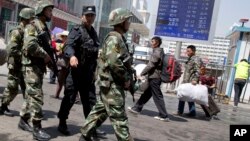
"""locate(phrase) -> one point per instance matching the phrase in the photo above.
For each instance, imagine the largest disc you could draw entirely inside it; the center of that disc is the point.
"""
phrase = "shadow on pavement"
(49, 114)
(107, 128)
(135, 139)
(54, 133)
(1, 89)
(153, 113)
(4, 137)
(5, 75)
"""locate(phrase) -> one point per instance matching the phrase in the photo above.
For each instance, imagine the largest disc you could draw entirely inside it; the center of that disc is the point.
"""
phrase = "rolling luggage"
(212, 108)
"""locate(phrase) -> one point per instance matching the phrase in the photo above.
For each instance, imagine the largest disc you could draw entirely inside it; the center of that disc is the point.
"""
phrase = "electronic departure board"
(182, 20)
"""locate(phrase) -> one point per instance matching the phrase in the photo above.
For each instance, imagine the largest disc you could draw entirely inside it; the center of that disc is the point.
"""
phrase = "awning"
(140, 28)
(56, 12)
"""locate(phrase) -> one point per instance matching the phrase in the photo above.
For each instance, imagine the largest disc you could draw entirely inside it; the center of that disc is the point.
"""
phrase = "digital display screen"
(189, 19)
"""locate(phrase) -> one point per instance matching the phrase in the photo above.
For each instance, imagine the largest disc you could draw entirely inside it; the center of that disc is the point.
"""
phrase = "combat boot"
(83, 138)
(24, 125)
(38, 133)
(63, 128)
(5, 110)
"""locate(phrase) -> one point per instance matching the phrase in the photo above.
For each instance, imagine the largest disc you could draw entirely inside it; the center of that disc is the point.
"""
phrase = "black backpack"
(171, 69)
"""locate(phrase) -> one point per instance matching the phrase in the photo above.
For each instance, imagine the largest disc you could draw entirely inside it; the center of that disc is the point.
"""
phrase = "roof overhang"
(238, 29)
(140, 28)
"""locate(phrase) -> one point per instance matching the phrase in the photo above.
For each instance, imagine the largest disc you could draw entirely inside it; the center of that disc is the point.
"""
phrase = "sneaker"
(132, 110)
(177, 113)
(235, 108)
(162, 119)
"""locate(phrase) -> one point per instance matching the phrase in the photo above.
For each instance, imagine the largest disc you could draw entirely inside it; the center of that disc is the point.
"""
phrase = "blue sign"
(189, 19)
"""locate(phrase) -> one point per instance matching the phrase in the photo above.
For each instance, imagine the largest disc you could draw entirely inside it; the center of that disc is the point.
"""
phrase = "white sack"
(193, 93)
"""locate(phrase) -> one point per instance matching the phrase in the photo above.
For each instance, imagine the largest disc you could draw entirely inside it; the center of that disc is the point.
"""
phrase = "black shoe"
(190, 115)
(83, 138)
(5, 110)
(64, 130)
(24, 126)
(40, 135)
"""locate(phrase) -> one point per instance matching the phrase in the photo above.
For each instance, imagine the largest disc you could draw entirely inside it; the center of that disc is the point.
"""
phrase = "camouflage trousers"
(32, 106)
(112, 105)
(15, 78)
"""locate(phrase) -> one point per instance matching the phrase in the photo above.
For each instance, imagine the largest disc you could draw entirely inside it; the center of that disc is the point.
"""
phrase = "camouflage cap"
(27, 13)
(118, 16)
(41, 5)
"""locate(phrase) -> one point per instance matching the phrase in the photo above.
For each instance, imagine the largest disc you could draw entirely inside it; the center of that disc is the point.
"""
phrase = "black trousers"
(78, 80)
(238, 87)
(155, 91)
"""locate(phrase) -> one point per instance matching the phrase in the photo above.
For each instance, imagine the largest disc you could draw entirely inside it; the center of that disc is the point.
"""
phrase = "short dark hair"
(244, 60)
(192, 47)
(158, 39)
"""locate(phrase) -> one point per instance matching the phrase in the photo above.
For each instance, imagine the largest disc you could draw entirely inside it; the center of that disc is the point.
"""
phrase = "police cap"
(88, 10)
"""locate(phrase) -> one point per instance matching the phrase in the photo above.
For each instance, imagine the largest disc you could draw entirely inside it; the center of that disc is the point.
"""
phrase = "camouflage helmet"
(27, 13)
(118, 16)
(41, 5)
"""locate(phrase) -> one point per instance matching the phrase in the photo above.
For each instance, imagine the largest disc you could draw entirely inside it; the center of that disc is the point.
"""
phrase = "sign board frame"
(211, 30)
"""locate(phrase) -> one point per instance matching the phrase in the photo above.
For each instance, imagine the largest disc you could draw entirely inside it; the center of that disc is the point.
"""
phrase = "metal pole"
(245, 88)
(178, 50)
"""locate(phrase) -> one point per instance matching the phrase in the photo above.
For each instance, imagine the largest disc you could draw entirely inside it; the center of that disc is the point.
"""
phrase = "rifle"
(132, 72)
(43, 40)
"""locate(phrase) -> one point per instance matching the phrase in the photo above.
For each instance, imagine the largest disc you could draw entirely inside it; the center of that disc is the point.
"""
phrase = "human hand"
(47, 59)
(194, 82)
(73, 61)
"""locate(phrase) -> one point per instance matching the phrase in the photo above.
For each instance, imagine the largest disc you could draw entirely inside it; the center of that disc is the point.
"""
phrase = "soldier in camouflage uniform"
(191, 75)
(114, 66)
(34, 60)
(15, 76)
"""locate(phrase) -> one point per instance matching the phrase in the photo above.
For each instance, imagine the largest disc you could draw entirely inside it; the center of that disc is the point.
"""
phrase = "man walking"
(153, 70)
(81, 48)
(191, 75)
(114, 66)
(14, 49)
(34, 60)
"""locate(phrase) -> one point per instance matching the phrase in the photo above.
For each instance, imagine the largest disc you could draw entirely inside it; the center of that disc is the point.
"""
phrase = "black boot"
(38, 133)
(24, 125)
(63, 128)
(83, 138)
(4, 110)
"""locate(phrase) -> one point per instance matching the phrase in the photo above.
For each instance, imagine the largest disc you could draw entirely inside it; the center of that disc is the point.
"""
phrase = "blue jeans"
(191, 106)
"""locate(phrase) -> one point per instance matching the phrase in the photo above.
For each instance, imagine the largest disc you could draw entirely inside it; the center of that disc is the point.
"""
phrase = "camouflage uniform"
(34, 67)
(192, 68)
(14, 50)
(113, 72)
(15, 75)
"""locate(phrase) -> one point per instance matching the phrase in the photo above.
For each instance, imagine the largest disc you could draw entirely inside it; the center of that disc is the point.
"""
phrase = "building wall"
(216, 52)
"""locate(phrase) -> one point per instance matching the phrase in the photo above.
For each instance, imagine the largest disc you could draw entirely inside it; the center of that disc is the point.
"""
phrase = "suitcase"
(212, 108)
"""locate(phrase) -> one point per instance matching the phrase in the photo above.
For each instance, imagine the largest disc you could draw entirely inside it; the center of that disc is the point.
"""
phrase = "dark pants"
(238, 87)
(52, 77)
(191, 106)
(78, 80)
(155, 91)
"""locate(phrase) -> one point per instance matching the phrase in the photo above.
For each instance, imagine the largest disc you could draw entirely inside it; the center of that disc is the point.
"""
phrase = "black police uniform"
(83, 44)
